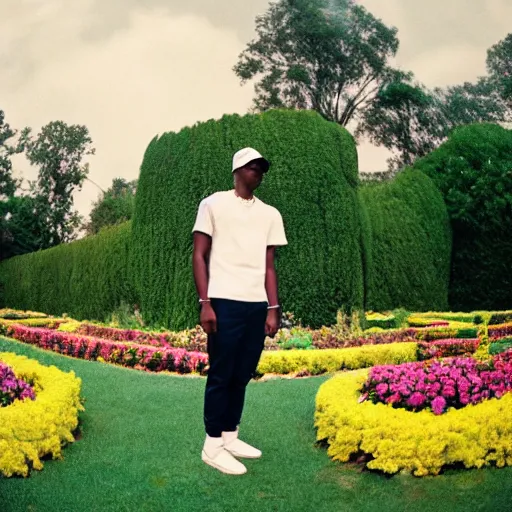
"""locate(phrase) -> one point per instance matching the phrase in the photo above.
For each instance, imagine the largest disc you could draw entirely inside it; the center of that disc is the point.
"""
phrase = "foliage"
(312, 182)
(115, 206)
(472, 171)
(33, 429)
(86, 279)
(447, 348)
(413, 121)
(329, 56)
(410, 244)
(12, 388)
(499, 67)
(316, 362)
(58, 152)
(419, 442)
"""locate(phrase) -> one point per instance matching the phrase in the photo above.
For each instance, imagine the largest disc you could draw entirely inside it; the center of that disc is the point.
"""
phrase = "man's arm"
(200, 257)
(273, 316)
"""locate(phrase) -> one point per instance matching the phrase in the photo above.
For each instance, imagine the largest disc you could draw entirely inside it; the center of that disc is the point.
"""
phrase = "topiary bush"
(87, 279)
(472, 171)
(313, 183)
(410, 244)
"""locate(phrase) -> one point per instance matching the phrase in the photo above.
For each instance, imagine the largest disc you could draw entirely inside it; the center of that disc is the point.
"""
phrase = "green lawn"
(141, 443)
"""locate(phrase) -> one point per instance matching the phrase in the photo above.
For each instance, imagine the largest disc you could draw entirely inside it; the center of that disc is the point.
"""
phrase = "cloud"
(153, 76)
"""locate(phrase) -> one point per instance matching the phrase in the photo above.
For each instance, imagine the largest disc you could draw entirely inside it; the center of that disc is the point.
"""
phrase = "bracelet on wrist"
(204, 300)
(277, 306)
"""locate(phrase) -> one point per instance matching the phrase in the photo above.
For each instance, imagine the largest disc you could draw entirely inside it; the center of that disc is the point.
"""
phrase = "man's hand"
(208, 318)
(272, 323)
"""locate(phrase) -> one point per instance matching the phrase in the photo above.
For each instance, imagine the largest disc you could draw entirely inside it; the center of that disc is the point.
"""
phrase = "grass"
(140, 451)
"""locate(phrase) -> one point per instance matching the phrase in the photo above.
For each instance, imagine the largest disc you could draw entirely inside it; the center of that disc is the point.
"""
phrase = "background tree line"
(332, 56)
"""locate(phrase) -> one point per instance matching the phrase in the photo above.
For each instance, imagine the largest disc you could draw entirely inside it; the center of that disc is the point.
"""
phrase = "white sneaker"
(239, 448)
(216, 456)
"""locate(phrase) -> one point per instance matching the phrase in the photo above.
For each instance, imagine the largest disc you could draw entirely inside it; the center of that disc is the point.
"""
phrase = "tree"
(499, 67)
(19, 233)
(329, 56)
(58, 151)
(116, 205)
(412, 121)
(8, 184)
(405, 119)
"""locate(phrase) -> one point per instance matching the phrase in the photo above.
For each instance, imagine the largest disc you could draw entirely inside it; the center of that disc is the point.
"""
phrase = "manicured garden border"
(418, 442)
(31, 429)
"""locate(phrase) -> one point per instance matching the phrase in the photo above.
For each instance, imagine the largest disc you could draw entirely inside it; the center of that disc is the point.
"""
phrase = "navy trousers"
(234, 351)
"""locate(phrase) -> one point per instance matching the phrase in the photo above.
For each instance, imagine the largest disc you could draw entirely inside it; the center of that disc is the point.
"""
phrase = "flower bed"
(419, 442)
(143, 357)
(316, 362)
(31, 429)
(500, 331)
(13, 388)
(13, 314)
(500, 345)
(447, 348)
(500, 317)
(440, 384)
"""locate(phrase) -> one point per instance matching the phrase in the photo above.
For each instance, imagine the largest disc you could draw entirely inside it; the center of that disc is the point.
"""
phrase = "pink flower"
(438, 405)
(416, 399)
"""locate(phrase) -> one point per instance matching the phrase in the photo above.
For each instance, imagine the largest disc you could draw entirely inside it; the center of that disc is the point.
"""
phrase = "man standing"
(235, 236)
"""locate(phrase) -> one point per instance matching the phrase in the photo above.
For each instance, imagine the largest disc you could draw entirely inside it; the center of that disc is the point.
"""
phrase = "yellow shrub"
(420, 442)
(331, 360)
(69, 326)
(30, 429)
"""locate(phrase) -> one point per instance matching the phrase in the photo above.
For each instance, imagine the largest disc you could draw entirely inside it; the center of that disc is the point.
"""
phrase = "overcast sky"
(130, 69)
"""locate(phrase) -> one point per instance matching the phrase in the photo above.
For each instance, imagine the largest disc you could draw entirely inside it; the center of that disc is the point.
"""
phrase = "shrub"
(499, 346)
(472, 171)
(321, 268)
(87, 278)
(447, 348)
(124, 353)
(32, 429)
(410, 244)
(500, 317)
(420, 442)
(321, 361)
(500, 330)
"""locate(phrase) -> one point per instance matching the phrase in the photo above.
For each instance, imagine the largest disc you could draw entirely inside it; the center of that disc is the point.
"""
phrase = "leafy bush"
(439, 385)
(36, 428)
(396, 440)
(88, 278)
(472, 171)
(410, 244)
(313, 183)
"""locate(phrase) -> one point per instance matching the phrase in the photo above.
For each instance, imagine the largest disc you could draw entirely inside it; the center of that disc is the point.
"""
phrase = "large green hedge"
(410, 243)
(87, 279)
(473, 171)
(313, 182)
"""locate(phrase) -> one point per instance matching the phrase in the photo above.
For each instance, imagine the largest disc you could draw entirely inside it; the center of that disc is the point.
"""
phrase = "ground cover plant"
(138, 450)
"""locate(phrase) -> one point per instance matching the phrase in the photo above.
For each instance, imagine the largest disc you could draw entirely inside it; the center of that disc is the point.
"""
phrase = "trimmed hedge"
(472, 170)
(313, 183)
(87, 279)
(410, 244)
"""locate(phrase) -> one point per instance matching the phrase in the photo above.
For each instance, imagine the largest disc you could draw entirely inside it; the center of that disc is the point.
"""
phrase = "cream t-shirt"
(241, 233)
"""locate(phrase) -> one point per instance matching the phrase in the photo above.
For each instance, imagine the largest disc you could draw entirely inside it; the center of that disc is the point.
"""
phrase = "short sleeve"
(276, 235)
(204, 222)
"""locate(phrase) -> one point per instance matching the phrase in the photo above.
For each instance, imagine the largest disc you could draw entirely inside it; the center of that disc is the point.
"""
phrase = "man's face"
(253, 174)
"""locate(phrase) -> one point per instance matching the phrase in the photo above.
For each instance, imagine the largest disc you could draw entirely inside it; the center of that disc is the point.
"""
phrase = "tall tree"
(116, 205)
(331, 56)
(499, 67)
(412, 121)
(58, 151)
(9, 146)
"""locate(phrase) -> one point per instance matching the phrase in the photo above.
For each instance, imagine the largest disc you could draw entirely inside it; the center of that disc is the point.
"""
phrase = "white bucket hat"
(246, 155)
